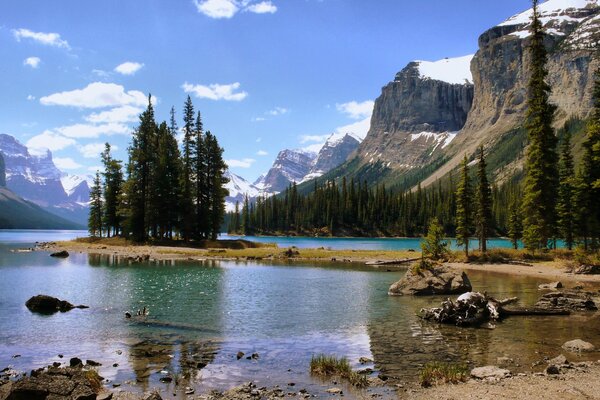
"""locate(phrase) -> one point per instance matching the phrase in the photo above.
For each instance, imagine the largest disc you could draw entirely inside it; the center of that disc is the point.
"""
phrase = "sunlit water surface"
(203, 313)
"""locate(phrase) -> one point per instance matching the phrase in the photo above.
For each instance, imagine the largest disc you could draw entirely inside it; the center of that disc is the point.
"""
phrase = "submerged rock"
(60, 254)
(48, 305)
(567, 299)
(435, 280)
(550, 286)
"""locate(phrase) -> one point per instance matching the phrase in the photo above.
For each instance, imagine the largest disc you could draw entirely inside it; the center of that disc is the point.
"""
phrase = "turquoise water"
(359, 243)
(203, 313)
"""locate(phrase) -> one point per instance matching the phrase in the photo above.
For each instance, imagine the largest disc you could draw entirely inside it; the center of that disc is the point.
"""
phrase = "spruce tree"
(186, 207)
(464, 211)
(564, 208)
(113, 189)
(484, 203)
(515, 225)
(434, 246)
(168, 171)
(216, 181)
(199, 163)
(541, 179)
(95, 217)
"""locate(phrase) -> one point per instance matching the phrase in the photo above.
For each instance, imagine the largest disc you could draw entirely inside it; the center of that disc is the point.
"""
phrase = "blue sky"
(266, 75)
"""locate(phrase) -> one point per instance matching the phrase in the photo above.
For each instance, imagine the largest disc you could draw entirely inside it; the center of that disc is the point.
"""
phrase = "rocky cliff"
(418, 113)
(334, 152)
(289, 166)
(500, 75)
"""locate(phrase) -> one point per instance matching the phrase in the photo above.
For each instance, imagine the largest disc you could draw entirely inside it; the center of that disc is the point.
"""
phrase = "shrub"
(435, 373)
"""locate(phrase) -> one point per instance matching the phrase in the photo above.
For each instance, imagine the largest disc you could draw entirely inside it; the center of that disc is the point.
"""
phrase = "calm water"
(202, 314)
(359, 243)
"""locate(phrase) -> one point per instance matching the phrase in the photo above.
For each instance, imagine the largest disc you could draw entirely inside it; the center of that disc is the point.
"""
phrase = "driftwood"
(392, 262)
(475, 309)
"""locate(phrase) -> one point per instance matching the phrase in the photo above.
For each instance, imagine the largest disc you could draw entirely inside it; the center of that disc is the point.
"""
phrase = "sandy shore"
(553, 271)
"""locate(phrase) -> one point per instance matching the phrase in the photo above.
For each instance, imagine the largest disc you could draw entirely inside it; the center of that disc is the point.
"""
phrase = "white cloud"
(262, 153)
(128, 68)
(264, 7)
(48, 39)
(359, 128)
(278, 111)
(30, 97)
(258, 119)
(93, 150)
(357, 110)
(244, 163)
(228, 8)
(216, 91)
(93, 131)
(32, 62)
(313, 138)
(121, 114)
(96, 95)
(48, 140)
(217, 8)
(101, 73)
(65, 163)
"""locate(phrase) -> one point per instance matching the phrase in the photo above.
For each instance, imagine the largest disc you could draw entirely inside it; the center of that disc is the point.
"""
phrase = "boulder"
(558, 360)
(550, 286)
(45, 304)
(60, 254)
(552, 370)
(490, 371)
(573, 300)
(578, 346)
(432, 281)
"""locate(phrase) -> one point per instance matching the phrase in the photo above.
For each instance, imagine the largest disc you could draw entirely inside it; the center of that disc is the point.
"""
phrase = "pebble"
(334, 390)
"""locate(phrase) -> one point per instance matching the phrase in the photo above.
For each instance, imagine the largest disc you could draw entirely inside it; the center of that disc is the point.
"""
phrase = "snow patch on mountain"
(71, 182)
(552, 10)
(441, 139)
(451, 70)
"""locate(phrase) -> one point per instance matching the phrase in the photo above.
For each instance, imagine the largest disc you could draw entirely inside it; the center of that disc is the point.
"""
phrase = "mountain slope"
(289, 166)
(16, 213)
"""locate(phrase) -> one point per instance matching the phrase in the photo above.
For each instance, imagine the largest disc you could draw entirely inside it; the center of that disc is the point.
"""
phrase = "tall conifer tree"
(483, 217)
(541, 179)
(95, 217)
(464, 210)
(564, 208)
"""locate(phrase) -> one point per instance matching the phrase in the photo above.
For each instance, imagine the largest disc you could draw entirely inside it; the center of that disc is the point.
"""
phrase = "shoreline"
(547, 270)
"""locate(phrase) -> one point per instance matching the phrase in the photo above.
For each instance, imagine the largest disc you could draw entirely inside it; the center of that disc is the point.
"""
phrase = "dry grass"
(501, 255)
(436, 373)
(324, 365)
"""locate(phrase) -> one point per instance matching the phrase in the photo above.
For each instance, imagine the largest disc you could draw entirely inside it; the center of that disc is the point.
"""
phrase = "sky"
(265, 75)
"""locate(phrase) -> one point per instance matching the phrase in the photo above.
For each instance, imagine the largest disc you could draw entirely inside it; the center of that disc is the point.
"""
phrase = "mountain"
(16, 213)
(334, 152)
(2, 172)
(35, 178)
(434, 113)
(239, 188)
(289, 166)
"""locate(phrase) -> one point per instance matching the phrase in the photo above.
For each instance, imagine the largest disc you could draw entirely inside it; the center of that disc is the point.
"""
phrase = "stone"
(152, 396)
(365, 360)
(335, 390)
(550, 286)
(558, 360)
(239, 355)
(490, 371)
(75, 362)
(437, 280)
(60, 254)
(552, 370)
(83, 392)
(45, 304)
(505, 361)
(92, 363)
(578, 346)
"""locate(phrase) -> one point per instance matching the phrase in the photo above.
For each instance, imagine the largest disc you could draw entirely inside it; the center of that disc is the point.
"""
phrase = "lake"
(203, 313)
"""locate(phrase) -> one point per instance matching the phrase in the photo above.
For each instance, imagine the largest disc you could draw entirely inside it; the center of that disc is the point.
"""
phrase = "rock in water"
(490, 371)
(578, 346)
(60, 254)
(551, 286)
(436, 280)
(568, 300)
(49, 305)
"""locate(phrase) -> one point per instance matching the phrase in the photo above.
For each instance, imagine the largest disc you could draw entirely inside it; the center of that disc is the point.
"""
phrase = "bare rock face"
(437, 280)
(289, 166)
(414, 117)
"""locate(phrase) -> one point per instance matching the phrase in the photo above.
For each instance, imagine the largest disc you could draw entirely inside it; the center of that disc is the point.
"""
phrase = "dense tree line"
(552, 202)
(166, 192)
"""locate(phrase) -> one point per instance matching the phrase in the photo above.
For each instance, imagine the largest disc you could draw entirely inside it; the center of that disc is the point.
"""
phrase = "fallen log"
(535, 311)
(392, 262)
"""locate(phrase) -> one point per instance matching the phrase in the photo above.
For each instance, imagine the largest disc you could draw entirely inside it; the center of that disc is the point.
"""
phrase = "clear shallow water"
(204, 313)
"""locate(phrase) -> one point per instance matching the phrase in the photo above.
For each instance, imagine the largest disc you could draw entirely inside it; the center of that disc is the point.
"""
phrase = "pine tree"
(186, 207)
(95, 217)
(201, 201)
(113, 189)
(246, 225)
(484, 203)
(168, 171)
(464, 201)
(434, 246)
(142, 154)
(564, 208)
(216, 180)
(541, 179)
(515, 225)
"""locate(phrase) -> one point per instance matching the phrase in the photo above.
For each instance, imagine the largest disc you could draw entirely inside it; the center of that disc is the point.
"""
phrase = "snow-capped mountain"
(336, 150)
(289, 166)
(239, 188)
(35, 178)
(456, 71)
